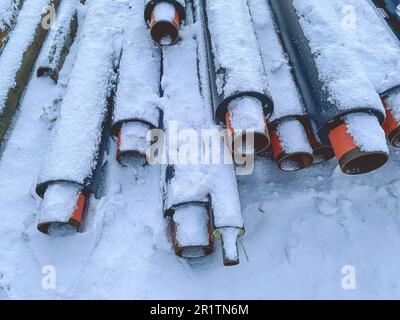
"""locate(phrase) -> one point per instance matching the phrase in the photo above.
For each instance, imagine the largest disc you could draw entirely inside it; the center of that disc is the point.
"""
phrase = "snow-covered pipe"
(164, 18)
(18, 58)
(330, 76)
(192, 230)
(358, 150)
(63, 208)
(78, 139)
(246, 126)
(185, 103)
(290, 146)
(59, 41)
(235, 64)
(392, 121)
(136, 109)
(9, 10)
(390, 12)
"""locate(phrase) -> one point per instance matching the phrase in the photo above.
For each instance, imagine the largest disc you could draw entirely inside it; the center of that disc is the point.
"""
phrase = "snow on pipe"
(72, 165)
(136, 108)
(18, 58)
(389, 11)
(9, 10)
(289, 140)
(381, 66)
(61, 37)
(192, 230)
(197, 183)
(333, 83)
(164, 18)
(290, 145)
(236, 70)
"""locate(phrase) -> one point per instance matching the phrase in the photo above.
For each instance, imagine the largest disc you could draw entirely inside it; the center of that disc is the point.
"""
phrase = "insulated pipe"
(192, 230)
(164, 18)
(392, 122)
(59, 41)
(136, 110)
(231, 76)
(18, 58)
(9, 10)
(357, 151)
(290, 146)
(79, 138)
(325, 86)
(63, 208)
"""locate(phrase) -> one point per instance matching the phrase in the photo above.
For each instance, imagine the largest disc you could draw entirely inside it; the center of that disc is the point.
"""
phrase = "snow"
(8, 10)
(246, 114)
(301, 228)
(134, 137)
(20, 39)
(369, 140)
(339, 67)
(393, 101)
(283, 90)
(75, 139)
(164, 12)
(292, 136)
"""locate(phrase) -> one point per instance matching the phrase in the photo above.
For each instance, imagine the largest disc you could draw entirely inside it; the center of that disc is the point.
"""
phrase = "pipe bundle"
(333, 83)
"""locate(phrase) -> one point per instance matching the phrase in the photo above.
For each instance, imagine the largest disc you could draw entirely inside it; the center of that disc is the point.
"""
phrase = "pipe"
(290, 146)
(9, 11)
(231, 76)
(60, 41)
(192, 230)
(322, 85)
(359, 151)
(246, 127)
(322, 152)
(63, 209)
(28, 37)
(164, 18)
(392, 123)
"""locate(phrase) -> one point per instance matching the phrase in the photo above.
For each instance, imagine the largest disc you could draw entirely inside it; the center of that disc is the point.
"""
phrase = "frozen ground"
(301, 230)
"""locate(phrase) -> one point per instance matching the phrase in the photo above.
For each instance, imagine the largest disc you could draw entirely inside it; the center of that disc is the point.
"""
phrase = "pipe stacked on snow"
(164, 18)
(61, 37)
(240, 88)
(69, 172)
(136, 108)
(18, 57)
(333, 83)
(9, 10)
(289, 139)
(201, 198)
(380, 53)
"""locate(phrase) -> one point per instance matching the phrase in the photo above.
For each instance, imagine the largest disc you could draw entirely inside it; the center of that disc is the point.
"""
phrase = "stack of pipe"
(164, 18)
(240, 89)
(18, 58)
(9, 10)
(137, 108)
(73, 162)
(339, 97)
(61, 37)
(201, 198)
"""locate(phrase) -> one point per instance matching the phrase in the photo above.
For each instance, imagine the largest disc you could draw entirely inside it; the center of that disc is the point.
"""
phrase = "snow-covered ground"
(302, 229)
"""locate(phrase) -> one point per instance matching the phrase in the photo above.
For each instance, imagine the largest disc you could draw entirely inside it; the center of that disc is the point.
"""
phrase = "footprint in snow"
(326, 208)
(394, 188)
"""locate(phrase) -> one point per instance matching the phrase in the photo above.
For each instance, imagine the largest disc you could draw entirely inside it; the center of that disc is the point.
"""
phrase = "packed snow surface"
(303, 229)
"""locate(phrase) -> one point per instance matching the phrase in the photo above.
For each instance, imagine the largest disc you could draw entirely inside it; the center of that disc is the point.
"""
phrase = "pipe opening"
(192, 231)
(359, 144)
(247, 129)
(164, 24)
(43, 72)
(290, 146)
(392, 124)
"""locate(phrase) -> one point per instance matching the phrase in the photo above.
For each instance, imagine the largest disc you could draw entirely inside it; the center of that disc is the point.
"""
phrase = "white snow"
(292, 136)
(370, 140)
(164, 12)
(133, 137)
(8, 10)
(246, 114)
(302, 228)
